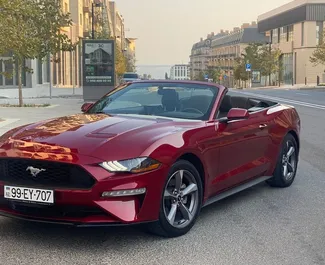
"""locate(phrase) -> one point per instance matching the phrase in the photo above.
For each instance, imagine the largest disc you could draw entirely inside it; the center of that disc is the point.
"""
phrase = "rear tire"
(286, 167)
(181, 201)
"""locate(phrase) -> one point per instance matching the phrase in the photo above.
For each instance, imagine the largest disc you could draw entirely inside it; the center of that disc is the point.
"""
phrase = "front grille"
(56, 174)
(54, 211)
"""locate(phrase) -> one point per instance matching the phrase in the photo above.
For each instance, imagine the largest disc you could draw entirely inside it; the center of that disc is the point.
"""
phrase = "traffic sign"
(206, 76)
(248, 67)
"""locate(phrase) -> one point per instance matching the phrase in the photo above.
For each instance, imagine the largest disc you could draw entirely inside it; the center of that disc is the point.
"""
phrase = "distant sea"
(156, 71)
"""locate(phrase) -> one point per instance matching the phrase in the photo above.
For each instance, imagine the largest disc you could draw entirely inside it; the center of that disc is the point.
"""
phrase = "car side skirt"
(235, 190)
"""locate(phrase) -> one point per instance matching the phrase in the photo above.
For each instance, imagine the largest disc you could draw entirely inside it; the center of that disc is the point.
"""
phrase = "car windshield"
(173, 100)
(130, 76)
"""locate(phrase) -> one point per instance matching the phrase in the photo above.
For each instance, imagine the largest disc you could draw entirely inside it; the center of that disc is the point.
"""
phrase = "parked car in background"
(129, 77)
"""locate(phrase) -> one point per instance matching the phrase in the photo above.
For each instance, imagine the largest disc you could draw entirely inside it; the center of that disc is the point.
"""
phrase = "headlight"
(135, 165)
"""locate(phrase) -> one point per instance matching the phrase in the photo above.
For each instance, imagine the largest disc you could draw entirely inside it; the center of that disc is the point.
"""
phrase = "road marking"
(6, 122)
(293, 102)
(303, 94)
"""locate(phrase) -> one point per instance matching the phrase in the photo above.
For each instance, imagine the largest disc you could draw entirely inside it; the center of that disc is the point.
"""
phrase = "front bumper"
(65, 222)
(88, 208)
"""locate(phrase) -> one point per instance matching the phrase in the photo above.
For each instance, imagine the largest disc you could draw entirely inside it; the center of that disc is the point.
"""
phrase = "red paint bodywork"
(231, 153)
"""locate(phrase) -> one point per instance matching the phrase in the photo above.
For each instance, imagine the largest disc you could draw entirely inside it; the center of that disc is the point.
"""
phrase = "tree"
(318, 56)
(32, 30)
(252, 55)
(261, 57)
(215, 73)
(166, 76)
(199, 76)
(120, 62)
(240, 69)
(269, 61)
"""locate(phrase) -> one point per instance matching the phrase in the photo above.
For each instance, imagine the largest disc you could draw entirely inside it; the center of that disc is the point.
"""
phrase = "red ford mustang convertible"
(148, 152)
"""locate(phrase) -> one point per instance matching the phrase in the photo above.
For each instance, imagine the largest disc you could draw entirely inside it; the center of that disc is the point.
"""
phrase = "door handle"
(262, 126)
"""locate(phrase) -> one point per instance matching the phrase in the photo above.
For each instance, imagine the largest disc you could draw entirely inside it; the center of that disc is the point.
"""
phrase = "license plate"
(29, 194)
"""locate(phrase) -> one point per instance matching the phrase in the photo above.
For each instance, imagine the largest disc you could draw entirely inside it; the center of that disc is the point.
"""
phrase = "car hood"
(98, 135)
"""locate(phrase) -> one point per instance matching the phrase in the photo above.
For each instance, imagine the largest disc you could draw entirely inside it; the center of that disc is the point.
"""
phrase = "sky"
(167, 29)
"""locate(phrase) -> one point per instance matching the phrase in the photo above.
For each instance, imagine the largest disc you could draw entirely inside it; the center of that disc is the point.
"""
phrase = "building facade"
(200, 53)
(296, 29)
(130, 54)
(65, 68)
(180, 72)
(118, 26)
(225, 50)
(220, 51)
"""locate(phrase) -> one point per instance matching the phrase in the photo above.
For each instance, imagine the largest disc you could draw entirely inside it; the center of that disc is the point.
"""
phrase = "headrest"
(170, 99)
(225, 105)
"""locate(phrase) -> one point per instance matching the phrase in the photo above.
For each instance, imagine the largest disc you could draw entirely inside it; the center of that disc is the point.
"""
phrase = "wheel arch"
(295, 135)
(197, 163)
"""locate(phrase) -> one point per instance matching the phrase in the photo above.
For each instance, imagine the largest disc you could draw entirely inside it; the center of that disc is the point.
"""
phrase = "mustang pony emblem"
(34, 171)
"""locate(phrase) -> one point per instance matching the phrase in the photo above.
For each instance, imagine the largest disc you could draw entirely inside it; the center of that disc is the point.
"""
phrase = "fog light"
(119, 193)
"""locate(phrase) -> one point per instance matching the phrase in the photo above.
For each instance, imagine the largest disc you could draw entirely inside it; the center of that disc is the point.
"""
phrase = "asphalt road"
(262, 225)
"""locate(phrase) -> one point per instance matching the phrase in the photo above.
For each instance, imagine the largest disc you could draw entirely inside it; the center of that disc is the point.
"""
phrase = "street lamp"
(93, 5)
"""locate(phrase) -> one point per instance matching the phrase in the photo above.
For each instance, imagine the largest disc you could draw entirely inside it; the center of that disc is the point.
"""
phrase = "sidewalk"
(41, 91)
(12, 117)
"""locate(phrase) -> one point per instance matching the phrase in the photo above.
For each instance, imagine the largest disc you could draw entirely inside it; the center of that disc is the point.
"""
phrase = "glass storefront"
(11, 69)
(287, 68)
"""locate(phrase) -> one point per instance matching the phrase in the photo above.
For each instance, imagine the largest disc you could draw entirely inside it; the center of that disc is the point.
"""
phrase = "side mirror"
(86, 106)
(236, 114)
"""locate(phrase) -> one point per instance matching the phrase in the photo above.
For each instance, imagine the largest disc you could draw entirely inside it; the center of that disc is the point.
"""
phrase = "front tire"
(286, 168)
(181, 201)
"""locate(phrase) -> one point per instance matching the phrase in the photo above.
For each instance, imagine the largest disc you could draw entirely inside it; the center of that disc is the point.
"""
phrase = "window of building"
(302, 33)
(9, 68)
(66, 8)
(319, 32)
(287, 68)
(1, 76)
(71, 67)
(290, 33)
(283, 34)
(48, 68)
(39, 72)
(275, 36)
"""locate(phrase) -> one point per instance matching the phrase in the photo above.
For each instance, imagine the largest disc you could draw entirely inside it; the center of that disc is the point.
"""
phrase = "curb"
(46, 97)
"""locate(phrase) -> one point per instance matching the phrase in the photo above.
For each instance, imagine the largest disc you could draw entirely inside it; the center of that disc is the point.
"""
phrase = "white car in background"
(129, 77)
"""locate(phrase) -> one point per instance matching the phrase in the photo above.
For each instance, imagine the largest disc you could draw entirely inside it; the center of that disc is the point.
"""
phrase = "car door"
(243, 150)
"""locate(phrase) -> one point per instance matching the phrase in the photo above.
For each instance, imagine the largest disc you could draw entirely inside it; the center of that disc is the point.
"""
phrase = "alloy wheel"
(180, 201)
(289, 161)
